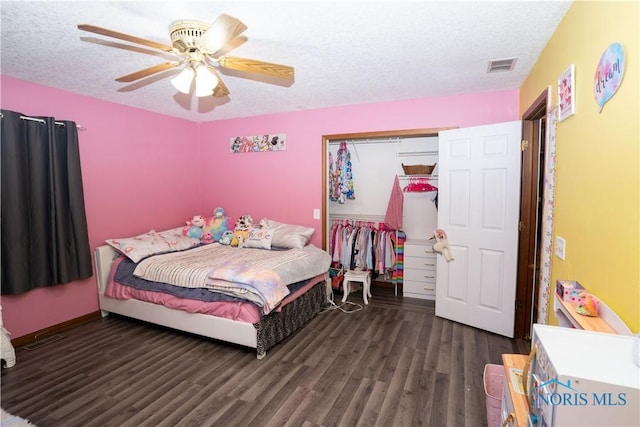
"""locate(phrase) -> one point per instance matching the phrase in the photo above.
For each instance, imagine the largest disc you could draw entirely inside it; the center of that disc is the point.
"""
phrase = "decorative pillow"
(288, 236)
(152, 243)
(259, 238)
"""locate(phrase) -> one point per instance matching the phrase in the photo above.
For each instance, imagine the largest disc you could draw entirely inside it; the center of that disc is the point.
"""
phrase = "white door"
(478, 208)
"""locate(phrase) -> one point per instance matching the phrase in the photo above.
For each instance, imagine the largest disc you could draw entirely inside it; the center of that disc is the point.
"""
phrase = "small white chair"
(363, 277)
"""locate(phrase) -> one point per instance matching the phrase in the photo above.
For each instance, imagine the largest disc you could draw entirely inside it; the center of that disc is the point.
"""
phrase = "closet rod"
(34, 119)
(416, 153)
(368, 141)
(357, 217)
(434, 177)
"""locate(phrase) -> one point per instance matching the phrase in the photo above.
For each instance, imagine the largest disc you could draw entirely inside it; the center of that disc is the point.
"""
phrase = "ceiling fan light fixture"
(206, 81)
(198, 47)
(182, 81)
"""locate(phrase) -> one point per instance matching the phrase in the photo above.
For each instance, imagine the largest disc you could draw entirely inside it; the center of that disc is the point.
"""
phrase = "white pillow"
(288, 236)
(259, 238)
(152, 243)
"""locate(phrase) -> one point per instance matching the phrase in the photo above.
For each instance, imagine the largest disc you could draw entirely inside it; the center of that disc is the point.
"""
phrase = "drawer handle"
(429, 277)
(429, 264)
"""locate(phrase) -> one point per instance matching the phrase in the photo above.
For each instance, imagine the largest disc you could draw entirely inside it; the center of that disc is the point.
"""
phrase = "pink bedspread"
(240, 311)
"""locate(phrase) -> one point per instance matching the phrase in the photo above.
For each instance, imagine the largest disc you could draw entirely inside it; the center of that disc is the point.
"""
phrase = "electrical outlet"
(316, 214)
(561, 247)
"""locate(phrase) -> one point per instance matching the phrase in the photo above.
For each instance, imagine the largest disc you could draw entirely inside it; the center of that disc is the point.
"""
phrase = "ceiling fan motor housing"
(185, 34)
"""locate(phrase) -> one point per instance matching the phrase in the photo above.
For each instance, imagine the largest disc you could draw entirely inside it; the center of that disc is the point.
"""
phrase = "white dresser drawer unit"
(419, 276)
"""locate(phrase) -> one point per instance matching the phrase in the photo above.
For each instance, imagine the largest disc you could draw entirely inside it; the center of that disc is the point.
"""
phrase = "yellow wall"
(597, 163)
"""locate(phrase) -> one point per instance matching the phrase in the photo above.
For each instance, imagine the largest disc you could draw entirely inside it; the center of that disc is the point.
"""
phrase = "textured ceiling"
(344, 53)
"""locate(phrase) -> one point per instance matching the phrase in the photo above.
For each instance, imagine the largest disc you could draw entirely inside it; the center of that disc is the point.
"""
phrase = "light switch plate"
(561, 246)
(316, 214)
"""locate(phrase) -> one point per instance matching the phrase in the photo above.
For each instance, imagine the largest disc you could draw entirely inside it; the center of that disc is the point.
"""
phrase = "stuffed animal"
(589, 307)
(241, 230)
(226, 238)
(194, 227)
(218, 212)
(217, 224)
(442, 244)
(207, 238)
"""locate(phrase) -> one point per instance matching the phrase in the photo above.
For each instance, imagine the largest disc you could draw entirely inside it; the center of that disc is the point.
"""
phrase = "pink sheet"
(240, 311)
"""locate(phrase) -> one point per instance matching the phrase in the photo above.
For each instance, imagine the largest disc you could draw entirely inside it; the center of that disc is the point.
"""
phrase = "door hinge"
(520, 225)
(524, 145)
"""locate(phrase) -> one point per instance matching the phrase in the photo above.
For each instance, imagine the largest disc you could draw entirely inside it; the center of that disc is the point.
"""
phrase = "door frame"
(532, 175)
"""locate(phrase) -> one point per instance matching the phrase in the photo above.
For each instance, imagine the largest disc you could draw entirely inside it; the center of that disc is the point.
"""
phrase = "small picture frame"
(566, 93)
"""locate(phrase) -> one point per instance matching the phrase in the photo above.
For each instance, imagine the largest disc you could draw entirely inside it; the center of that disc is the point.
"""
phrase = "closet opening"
(384, 152)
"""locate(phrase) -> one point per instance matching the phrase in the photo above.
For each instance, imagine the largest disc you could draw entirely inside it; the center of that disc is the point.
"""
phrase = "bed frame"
(261, 336)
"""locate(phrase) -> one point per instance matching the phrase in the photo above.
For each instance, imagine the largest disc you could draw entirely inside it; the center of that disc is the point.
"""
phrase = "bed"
(305, 270)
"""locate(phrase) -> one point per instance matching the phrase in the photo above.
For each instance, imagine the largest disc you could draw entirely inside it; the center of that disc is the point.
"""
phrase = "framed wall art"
(258, 143)
(566, 93)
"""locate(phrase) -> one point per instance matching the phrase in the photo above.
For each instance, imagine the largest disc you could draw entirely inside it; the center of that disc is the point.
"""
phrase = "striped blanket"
(252, 274)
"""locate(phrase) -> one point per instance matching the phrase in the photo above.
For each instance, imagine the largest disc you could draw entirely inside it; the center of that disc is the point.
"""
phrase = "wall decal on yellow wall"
(609, 74)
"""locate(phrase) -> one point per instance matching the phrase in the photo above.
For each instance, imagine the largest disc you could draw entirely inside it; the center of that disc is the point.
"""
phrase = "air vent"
(498, 65)
(44, 341)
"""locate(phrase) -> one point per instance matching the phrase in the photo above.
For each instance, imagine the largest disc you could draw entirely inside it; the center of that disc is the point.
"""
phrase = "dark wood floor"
(391, 364)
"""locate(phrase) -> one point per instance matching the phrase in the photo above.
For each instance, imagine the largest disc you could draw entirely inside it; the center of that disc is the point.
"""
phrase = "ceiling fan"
(198, 48)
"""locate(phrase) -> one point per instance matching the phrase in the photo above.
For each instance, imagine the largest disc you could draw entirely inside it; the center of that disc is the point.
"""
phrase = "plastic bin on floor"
(492, 379)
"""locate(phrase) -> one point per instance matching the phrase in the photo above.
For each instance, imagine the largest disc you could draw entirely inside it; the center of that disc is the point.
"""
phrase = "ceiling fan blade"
(224, 29)
(255, 66)
(123, 36)
(221, 89)
(147, 72)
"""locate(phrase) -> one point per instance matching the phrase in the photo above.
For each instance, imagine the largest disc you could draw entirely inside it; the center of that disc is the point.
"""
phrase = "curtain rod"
(34, 119)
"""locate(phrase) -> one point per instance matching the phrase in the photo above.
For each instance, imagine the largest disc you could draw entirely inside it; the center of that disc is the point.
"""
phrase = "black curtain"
(44, 226)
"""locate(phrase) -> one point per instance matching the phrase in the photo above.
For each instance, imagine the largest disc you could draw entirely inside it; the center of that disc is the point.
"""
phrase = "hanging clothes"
(366, 246)
(393, 217)
(334, 181)
(342, 182)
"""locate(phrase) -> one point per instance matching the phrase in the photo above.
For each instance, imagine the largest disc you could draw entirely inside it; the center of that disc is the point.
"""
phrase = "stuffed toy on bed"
(241, 230)
(226, 238)
(194, 227)
(217, 224)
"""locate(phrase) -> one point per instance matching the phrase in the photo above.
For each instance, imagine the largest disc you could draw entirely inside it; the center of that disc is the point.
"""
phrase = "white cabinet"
(419, 276)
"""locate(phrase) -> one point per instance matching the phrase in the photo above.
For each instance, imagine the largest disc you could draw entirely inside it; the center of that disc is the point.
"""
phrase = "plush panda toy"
(241, 230)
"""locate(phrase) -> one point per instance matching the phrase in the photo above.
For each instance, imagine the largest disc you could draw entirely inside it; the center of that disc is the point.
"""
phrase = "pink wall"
(146, 171)
(137, 175)
(287, 185)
